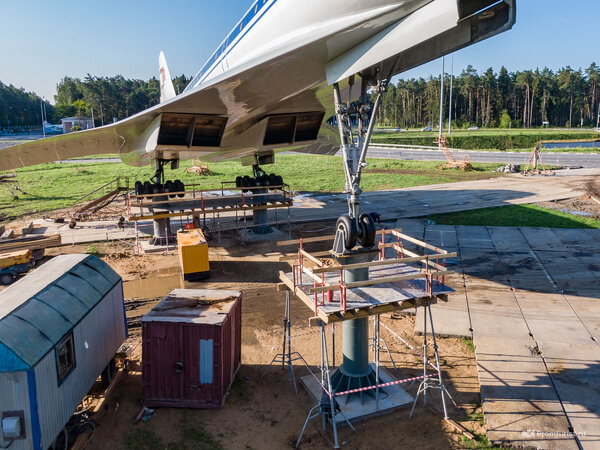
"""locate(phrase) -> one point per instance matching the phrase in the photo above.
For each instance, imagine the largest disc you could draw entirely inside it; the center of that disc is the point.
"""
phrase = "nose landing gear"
(355, 228)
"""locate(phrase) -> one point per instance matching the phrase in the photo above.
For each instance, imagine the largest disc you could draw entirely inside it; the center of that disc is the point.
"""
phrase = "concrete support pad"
(248, 235)
(353, 410)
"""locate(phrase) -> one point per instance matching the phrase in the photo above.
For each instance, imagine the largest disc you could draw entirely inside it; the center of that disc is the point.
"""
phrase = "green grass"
(469, 344)
(57, 185)
(489, 139)
(143, 439)
(516, 216)
(480, 442)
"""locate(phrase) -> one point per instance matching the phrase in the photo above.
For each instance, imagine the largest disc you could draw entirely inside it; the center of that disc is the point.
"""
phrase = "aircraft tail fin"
(167, 90)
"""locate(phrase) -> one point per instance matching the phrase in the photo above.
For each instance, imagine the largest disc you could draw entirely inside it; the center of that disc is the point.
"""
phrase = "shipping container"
(191, 348)
(60, 327)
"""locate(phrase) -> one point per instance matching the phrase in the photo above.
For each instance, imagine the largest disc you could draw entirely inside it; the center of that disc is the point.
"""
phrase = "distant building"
(84, 123)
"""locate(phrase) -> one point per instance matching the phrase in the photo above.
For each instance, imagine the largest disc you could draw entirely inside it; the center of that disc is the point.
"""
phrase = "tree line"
(20, 109)
(530, 98)
(505, 99)
(108, 98)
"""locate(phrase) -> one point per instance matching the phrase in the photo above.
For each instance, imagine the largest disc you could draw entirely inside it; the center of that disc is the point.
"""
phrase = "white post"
(42, 115)
(450, 102)
(442, 99)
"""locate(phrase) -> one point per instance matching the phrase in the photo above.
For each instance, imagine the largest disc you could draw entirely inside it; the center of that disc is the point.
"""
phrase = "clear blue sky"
(42, 41)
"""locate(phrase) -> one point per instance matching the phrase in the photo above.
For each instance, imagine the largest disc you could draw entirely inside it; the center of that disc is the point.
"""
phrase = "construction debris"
(198, 168)
(509, 168)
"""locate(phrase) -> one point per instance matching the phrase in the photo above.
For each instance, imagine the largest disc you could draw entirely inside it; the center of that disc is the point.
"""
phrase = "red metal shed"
(191, 344)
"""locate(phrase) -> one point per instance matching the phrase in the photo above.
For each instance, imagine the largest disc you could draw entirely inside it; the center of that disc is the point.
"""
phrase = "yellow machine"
(15, 258)
(193, 254)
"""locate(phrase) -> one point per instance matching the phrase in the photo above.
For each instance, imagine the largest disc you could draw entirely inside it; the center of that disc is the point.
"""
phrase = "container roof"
(40, 309)
(199, 306)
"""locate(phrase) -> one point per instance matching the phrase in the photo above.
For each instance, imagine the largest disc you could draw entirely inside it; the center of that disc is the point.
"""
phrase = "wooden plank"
(431, 263)
(30, 243)
(317, 239)
(371, 311)
(311, 257)
(416, 241)
(381, 281)
(384, 262)
(295, 256)
(305, 240)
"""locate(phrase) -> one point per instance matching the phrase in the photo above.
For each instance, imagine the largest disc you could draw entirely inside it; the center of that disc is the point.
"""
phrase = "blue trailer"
(60, 327)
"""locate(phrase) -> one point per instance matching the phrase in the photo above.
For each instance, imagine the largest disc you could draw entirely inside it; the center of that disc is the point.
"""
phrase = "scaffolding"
(464, 165)
(404, 280)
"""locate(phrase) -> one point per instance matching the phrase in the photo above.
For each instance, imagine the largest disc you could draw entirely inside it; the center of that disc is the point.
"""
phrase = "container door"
(165, 363)
(203, 361)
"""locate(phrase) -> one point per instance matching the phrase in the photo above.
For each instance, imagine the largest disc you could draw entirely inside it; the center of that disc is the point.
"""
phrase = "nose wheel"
(349, 232)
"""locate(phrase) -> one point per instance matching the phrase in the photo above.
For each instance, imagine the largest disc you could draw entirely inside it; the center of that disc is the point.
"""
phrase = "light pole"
(101, 113)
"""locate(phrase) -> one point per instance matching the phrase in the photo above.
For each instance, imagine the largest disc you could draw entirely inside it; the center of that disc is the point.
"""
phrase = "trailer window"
(65, 358)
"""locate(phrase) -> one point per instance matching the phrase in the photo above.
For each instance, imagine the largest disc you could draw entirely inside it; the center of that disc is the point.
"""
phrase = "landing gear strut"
(355, 228)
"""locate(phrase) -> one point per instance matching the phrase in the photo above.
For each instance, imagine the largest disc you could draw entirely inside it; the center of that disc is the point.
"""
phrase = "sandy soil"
(264, 412)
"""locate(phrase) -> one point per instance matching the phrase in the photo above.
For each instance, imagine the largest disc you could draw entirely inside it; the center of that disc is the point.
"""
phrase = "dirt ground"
(582, 204)
(264, 412)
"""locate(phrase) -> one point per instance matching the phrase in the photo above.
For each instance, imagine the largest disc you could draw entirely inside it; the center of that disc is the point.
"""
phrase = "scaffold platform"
(405, 281)
(207, 201)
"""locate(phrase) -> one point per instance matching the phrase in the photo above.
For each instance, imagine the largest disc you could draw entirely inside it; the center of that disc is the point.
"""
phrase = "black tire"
(139, 188)
(170, 187)
(72, 224)
(245, 182)
(147, 188)
(279, 180)
(254, 182)
(238, 181)
(273, 180)
(180, 188)
(109, 372)
(6, 279)
(366, 231)
(348, 227)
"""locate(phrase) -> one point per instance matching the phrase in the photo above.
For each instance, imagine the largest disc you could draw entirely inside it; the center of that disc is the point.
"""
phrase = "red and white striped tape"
(391, 383)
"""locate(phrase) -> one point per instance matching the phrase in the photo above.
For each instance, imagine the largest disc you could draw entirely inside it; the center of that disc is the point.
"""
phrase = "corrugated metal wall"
(104, 331)
(165, 344)
(14, 396)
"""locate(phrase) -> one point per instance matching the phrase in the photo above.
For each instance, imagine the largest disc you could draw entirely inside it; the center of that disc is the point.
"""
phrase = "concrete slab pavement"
(532, 297)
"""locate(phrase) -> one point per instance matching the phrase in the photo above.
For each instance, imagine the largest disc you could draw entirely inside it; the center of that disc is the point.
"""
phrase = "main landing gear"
(260, 178)
(158, 185)
(355, 228)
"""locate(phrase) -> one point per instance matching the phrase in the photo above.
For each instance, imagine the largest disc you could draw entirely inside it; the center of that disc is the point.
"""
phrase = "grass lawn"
(58, 185)
(516, 216)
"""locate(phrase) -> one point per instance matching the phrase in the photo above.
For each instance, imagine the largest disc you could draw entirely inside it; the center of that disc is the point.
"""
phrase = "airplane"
(284, 70)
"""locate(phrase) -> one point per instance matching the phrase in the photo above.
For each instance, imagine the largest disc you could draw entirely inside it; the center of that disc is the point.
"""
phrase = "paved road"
(551, 158)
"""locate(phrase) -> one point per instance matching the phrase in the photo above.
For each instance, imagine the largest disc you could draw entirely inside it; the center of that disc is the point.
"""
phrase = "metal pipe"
(450, 101)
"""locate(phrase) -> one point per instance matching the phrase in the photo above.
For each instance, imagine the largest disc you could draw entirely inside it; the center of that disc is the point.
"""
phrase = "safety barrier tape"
(391, 383)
